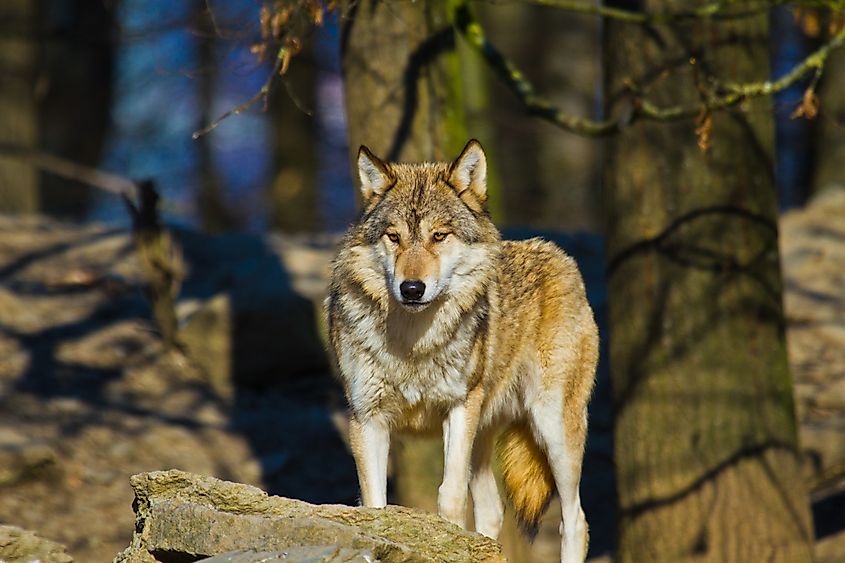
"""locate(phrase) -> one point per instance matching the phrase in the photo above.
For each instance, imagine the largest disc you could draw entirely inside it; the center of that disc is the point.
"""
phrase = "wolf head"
(426, 226)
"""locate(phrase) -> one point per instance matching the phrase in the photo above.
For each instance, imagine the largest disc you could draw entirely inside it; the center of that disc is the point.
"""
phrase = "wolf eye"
(439, 237)
(393, 237)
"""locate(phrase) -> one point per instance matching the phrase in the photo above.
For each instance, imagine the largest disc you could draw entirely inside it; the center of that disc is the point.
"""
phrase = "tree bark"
(830, 128)
(705, 437)
(551, 176)
(18, 113)
(402, 80)
(293, 193)
(73, 106)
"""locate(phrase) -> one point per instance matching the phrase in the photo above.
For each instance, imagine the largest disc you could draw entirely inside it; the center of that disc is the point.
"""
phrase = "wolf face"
(426, 224)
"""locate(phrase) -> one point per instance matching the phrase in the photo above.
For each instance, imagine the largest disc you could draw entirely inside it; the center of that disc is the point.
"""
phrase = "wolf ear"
(468, 174)
(375, 177)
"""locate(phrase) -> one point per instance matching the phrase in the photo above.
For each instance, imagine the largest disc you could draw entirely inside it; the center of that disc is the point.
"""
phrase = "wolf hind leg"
(487, 504)
(562, 438)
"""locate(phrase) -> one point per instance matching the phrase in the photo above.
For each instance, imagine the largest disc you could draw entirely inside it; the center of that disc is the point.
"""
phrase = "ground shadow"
(280, 395)
(283, 399)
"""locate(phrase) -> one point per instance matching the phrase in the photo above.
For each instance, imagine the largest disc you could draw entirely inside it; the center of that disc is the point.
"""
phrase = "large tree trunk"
(830, 128)
(706, 453)
(18, 115)
(74, 102)
(550, 176)
(402, 80)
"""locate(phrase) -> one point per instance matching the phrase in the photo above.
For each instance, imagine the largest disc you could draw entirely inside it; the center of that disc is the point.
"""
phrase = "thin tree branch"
(263, 93)
(513, 78)
(106, 181)
(714, 10)
(640, 108)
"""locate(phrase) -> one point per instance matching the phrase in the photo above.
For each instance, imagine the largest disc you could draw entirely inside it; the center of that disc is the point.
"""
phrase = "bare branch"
(263, 93)
(641, 108)
(513, 78)
(106, 181)
(714, 10)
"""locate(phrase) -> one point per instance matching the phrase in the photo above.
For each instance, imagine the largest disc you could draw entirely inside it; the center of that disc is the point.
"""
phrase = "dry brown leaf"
(809, 106)
(837, 22)
(704, 130)
(280, 18)
(264, 19)
(315, 10)
(809, 20)
(260, 51)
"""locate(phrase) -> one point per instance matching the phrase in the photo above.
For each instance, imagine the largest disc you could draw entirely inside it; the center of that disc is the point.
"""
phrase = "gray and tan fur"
(435, 322)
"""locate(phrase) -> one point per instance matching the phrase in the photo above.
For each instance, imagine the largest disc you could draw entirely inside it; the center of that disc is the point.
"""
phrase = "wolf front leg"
(459, 431)
(370, 441)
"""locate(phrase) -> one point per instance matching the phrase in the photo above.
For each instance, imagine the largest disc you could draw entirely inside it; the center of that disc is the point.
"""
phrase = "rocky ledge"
(186, 517)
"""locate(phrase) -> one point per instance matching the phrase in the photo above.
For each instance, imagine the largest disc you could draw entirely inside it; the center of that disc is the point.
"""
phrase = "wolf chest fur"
(435, 323)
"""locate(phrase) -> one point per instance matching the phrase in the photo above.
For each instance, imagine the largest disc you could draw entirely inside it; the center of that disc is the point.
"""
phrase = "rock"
(830, 549)
(306, 554)
(22, 546)
(182, 516)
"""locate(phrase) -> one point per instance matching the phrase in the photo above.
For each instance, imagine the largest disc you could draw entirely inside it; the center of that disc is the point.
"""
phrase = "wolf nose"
(412, 290)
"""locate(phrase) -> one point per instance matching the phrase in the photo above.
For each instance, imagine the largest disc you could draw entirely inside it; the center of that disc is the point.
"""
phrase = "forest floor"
(89, 396)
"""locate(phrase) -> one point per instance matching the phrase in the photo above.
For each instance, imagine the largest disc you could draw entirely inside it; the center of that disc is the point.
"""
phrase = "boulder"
(306, 554)
(22, 546)
(186, 517)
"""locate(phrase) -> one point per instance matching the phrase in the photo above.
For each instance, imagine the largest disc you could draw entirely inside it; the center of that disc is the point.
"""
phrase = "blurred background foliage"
(142, 77)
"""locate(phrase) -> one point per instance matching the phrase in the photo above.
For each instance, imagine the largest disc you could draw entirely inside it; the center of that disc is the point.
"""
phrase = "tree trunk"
(830, 127)
(402, 82)
(74, 103)
(480, 121)
(550, 176)
(216, 215)
(18, 115)
(293, 193)
(705, 443)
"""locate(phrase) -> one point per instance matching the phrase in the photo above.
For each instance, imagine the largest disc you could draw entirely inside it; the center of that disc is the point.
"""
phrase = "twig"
(261, 94)
(714, 10)
(212, 19)
(641, 107)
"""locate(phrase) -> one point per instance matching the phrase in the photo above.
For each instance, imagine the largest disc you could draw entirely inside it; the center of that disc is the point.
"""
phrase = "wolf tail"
(527, 477)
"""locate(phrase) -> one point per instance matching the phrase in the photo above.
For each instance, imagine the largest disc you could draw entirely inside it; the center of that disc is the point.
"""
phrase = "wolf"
(436, 323)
